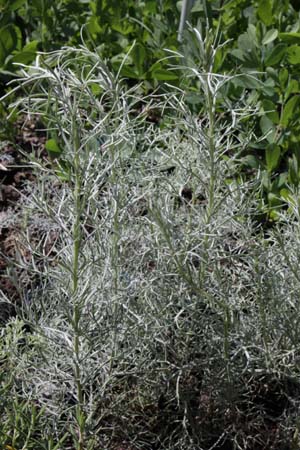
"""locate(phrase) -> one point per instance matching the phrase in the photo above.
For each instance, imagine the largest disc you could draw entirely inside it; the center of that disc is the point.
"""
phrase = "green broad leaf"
(270, 36)
(269, 87)
(155, 66)
(164, 75)
(93, 25)
(257, 145)
(268, 129)
(230, 4)
(52, 146)
(93, 6)
(273, 153)
(247, 81)
(290, 38)
(238, 54)
(273, 215)
(285, 194)
(63, 175)
(270, 110)
(251, 161)
(23, 57)
(8, 41)
(194, 99)
(289, 110)
(294, 136)
(252, 34)
(248, 51)
(293, 54)
(276, 55)
(30, 46)
(129, 72)
(274, 201)
(293, 173)
(283, 77)
(27, 54)
(272, 73)
(292, 88)
(266, 180)
(123, 27)
(138, 55)
(16, 4)
(246, 43)
(264, 11)
(219, 59)
(197, 7)
(96, 89)
(179, 5)
(150, 7)
(282, 180)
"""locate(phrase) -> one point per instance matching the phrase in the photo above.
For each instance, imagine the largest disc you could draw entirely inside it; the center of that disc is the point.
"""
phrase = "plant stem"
(77, 239)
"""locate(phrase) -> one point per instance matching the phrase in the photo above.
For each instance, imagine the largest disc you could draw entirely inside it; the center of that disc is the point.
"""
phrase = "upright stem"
(77, 239)
(115, 254)
(77, 203)
(212, 153)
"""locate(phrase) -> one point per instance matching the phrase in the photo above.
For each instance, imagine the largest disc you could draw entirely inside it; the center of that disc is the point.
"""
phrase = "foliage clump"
(161, 314)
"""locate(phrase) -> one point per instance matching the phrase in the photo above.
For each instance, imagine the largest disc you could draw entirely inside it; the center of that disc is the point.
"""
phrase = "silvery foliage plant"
(153, 292)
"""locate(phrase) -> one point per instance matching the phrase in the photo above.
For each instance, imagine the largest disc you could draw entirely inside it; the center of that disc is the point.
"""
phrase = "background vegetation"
(263, 38)
(158, 303)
